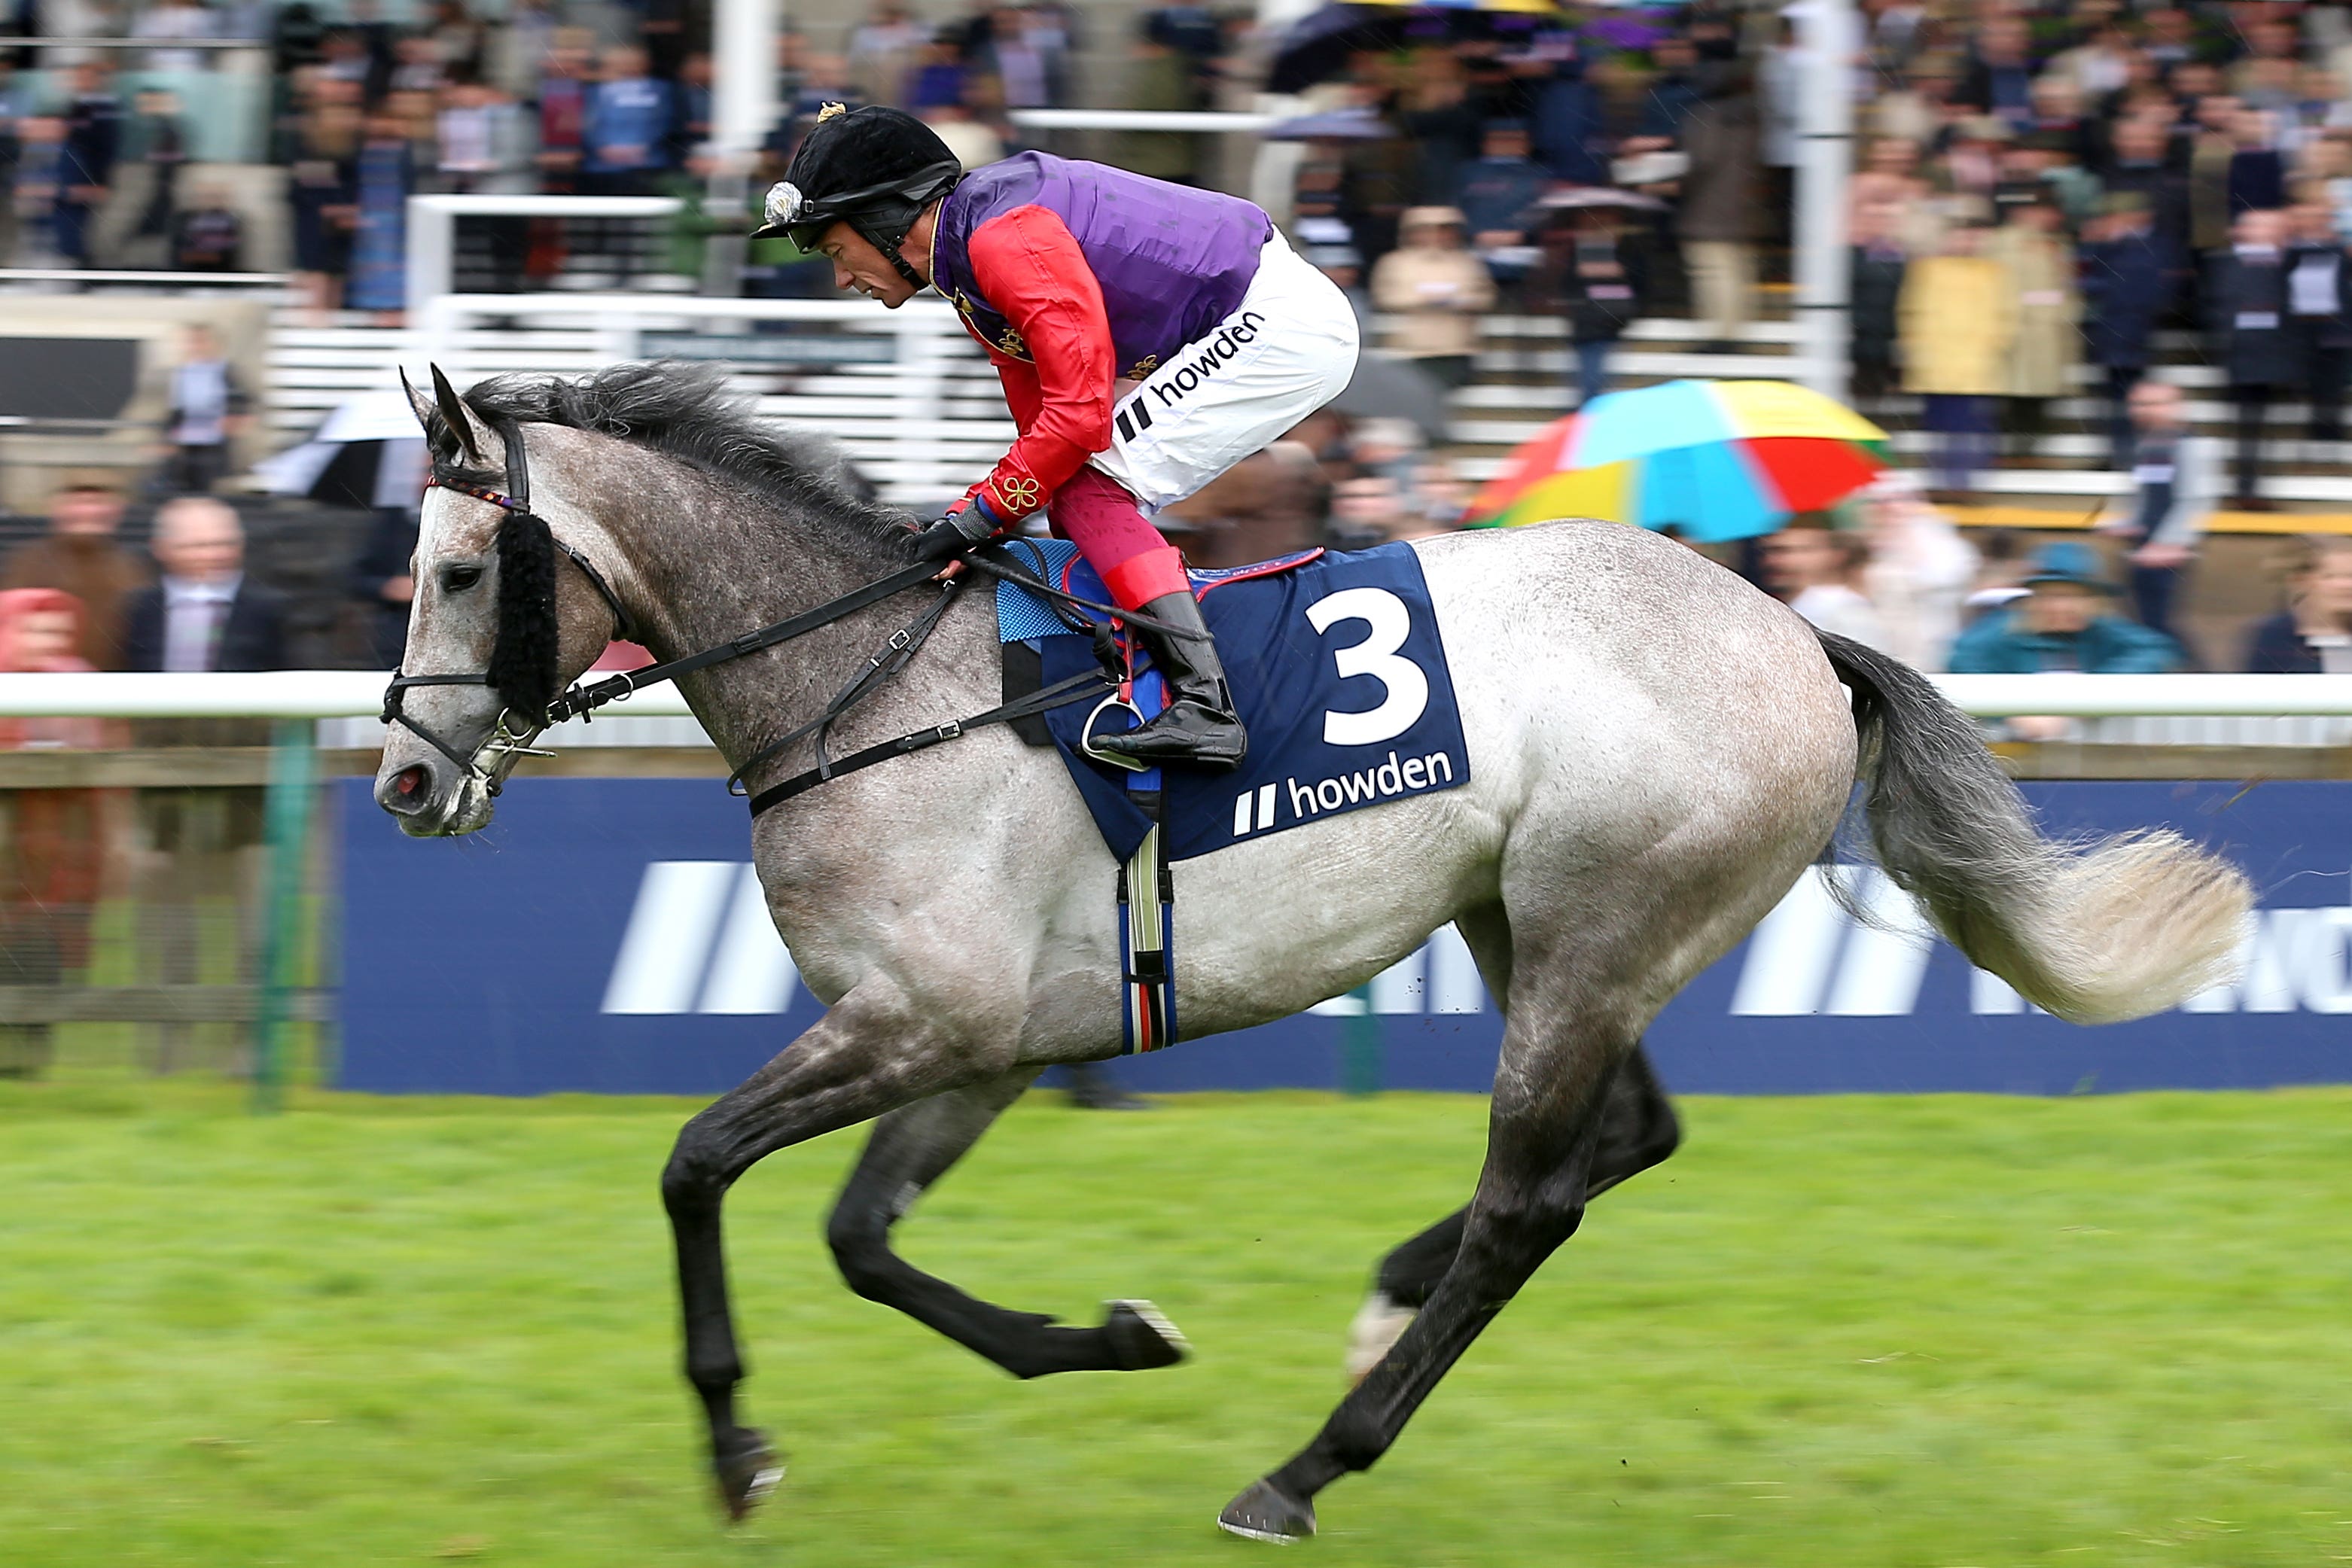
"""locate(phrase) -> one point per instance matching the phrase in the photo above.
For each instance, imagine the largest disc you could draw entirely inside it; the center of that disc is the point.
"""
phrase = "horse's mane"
(686, 411)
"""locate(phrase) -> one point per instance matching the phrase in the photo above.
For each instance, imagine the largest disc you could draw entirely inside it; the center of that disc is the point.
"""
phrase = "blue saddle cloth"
(1337, 668)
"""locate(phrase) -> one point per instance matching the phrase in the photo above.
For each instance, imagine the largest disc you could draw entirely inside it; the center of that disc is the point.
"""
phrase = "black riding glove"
(954, 534)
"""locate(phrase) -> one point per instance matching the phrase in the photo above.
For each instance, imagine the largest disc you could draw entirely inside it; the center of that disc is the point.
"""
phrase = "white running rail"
(351, 693)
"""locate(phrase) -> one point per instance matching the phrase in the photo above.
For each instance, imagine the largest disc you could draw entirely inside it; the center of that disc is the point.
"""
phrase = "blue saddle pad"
(1337, 669)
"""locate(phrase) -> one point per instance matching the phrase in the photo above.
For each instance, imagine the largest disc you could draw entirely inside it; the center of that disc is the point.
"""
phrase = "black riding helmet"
(875, 169)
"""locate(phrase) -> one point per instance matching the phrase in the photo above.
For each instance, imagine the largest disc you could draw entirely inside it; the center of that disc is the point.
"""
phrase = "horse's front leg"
(911, 1149)
(868, 1056)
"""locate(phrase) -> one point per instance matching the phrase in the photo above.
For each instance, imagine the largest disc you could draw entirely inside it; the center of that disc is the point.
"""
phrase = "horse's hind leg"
(911, 1149)
(1638, 1130)
(1543, 1130)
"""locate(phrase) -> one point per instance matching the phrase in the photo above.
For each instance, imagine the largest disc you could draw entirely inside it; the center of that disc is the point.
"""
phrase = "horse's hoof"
(748, 1470)
(1142, 1339)
(1266, 1512)
(1379, 1323)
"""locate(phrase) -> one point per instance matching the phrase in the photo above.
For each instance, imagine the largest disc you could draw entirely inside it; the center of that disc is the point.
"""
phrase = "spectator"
(2039, 267)
(1918, 573)
(689, 124)
(1444, 125)
(1722, 212)
(628, 116)
(1438, 289)
(1498, 194)
(174, 19)
(564, 110)
(1021, 58)
(1161, 76)
(322, 185)
(205, 615)
(2213, 145)
(1674, 94)
(206, 409)
(380, 581)
(209, 236)
(385, 174)
(2257, 177)
(938, 75)
(2140, 168)
(2000, 80)
(90, 139)
(417, 65)
(1370, 511)
(1813, 568)
(1377, 178)
(484, 143)
(40, 141)
(973, 143)
(1874, 286)
(2313, 636)
(2249, 337)
(159, 152)
(2319, 314)
(2126, 290)
(2176, 479)
(53, 852)
(882, 53)
(515, 56)
(1571, 125)
(2062, 623)
(1437, 496)
(1957, 326)
(1598, 282)
(1388, 446)
(80, 557)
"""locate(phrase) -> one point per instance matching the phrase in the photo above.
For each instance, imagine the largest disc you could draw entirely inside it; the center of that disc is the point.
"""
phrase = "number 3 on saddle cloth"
(1339, 671)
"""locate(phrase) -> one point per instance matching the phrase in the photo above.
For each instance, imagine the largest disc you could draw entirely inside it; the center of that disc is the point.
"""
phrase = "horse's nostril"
(410, 780)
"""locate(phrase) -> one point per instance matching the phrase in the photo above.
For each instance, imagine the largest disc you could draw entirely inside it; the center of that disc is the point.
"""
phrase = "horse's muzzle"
(430, 798)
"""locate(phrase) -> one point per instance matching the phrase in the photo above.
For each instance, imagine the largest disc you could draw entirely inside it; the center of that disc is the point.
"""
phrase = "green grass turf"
(1937, 1332)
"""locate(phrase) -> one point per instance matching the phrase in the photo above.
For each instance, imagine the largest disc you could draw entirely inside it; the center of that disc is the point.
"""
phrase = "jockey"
(1148, 337)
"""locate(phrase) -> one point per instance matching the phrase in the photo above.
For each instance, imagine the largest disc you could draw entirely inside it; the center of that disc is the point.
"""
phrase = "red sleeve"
(1026, 263)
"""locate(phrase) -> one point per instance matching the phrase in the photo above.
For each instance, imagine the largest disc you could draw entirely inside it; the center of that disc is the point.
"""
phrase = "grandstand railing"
(896, 404)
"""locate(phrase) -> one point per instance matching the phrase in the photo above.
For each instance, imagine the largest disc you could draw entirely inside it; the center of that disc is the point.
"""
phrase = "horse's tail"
(2097, 930)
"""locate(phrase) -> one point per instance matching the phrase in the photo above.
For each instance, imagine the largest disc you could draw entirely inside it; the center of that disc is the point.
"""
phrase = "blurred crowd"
(2054, 208)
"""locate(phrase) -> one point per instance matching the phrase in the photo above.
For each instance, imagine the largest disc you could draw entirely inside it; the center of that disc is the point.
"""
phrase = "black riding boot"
(1197, 729)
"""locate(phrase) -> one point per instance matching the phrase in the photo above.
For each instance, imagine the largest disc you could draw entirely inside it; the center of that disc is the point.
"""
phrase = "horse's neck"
(717, 568)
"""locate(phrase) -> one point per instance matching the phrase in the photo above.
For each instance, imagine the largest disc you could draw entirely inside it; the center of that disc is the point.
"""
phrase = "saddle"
(1338, 670)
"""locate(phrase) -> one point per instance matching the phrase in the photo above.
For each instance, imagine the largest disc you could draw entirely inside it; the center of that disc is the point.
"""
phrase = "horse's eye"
(457, 579)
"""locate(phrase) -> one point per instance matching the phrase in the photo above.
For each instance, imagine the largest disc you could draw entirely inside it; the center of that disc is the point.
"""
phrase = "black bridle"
(505, 741)
(508, 742)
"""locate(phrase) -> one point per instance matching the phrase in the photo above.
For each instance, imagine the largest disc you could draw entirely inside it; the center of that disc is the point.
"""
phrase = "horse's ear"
(418, 403)
(454, 415)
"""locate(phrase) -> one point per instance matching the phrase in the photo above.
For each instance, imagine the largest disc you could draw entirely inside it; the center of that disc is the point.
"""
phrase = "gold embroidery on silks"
(1010, 341)
(1018, 494)
(1143, 367)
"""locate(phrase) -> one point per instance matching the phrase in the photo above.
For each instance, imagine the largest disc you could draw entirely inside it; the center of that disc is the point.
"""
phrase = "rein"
(507, 743)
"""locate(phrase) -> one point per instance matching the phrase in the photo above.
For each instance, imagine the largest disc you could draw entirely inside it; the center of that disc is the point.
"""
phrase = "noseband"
(506, 741)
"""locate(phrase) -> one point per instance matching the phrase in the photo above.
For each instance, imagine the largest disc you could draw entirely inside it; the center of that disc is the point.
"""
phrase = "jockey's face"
(857, 265)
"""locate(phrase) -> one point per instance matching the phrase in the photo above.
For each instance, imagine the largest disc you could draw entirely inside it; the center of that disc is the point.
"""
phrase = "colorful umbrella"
(1712, 460)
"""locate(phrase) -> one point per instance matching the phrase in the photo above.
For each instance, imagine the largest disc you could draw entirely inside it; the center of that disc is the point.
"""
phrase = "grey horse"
(1658, 751)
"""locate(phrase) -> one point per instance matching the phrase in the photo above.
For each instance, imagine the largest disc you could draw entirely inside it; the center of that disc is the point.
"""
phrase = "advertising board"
(607, 934)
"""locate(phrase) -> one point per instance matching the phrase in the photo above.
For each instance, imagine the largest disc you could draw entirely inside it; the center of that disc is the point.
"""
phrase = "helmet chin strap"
(915, 280)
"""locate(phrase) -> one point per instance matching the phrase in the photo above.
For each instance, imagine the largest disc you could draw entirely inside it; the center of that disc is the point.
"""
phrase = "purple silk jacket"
(1172, 261)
